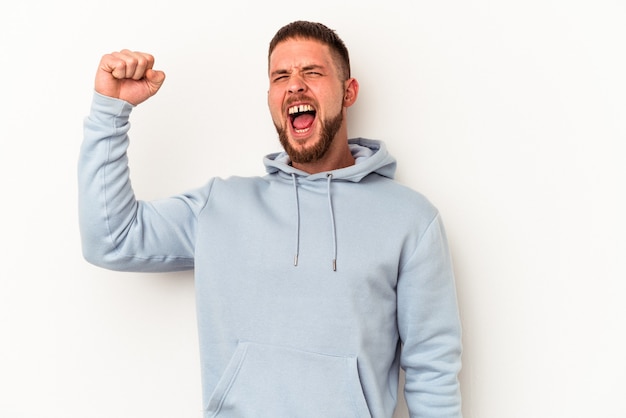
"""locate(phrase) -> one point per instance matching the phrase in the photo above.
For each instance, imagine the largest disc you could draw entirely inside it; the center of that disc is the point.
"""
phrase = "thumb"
(154, 79)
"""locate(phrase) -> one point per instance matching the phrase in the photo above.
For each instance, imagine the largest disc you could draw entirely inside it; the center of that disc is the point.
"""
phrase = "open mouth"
(302, 117)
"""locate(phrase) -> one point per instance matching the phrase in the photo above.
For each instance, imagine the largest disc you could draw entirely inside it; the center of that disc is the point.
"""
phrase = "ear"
(351, 91)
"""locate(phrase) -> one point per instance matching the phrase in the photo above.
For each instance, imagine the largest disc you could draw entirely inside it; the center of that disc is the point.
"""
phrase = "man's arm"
(118, 231)
(429, 325)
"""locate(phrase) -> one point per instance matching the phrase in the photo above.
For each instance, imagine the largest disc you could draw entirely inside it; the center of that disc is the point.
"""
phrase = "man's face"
(305, 98)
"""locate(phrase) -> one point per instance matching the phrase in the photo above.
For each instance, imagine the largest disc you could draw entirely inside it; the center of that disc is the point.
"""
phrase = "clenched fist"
(128, 75)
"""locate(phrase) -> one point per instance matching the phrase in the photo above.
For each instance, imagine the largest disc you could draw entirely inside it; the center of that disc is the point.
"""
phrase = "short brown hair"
(319, 32)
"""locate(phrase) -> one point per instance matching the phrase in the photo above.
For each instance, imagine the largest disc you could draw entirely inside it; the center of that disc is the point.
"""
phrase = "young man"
(314, 283)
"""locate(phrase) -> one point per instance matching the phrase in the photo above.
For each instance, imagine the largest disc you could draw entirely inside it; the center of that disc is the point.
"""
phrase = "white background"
(509, 115)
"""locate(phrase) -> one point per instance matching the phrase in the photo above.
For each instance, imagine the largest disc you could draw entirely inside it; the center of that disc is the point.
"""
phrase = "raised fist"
(128, 75)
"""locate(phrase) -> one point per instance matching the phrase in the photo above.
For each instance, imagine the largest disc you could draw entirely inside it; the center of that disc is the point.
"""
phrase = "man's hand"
(129, 76)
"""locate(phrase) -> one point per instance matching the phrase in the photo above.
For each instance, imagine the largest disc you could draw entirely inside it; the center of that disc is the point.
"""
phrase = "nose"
(296, 84)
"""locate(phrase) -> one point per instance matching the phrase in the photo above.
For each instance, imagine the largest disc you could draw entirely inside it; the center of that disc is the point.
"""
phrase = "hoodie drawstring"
(295, 190)
(329, 178)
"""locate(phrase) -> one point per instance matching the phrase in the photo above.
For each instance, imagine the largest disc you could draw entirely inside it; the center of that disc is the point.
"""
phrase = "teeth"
(300, 109)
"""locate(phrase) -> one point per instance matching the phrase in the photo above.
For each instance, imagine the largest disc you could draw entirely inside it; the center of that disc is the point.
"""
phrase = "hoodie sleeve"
(429, 325)
(119, 232)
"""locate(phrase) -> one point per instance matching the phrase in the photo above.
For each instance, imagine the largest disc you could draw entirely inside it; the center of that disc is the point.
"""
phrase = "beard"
(330, 127)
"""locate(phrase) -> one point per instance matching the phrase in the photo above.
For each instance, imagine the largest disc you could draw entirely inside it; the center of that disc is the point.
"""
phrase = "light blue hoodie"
(312, 290)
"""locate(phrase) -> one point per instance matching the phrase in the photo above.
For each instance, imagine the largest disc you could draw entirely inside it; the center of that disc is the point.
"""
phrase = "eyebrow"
(305, 68)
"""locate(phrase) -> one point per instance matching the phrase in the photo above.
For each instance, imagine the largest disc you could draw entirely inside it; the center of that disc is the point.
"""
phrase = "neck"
(331, 161)
(337, 156)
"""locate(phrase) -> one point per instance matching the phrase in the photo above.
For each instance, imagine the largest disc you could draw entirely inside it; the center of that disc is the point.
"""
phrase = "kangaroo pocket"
(272, 381)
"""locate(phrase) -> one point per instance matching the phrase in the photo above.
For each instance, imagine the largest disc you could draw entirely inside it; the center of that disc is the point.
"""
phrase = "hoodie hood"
(371, 156)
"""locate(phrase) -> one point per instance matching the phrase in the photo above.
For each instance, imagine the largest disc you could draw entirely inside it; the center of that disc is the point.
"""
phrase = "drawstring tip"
(334, 264)
(295, 260)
